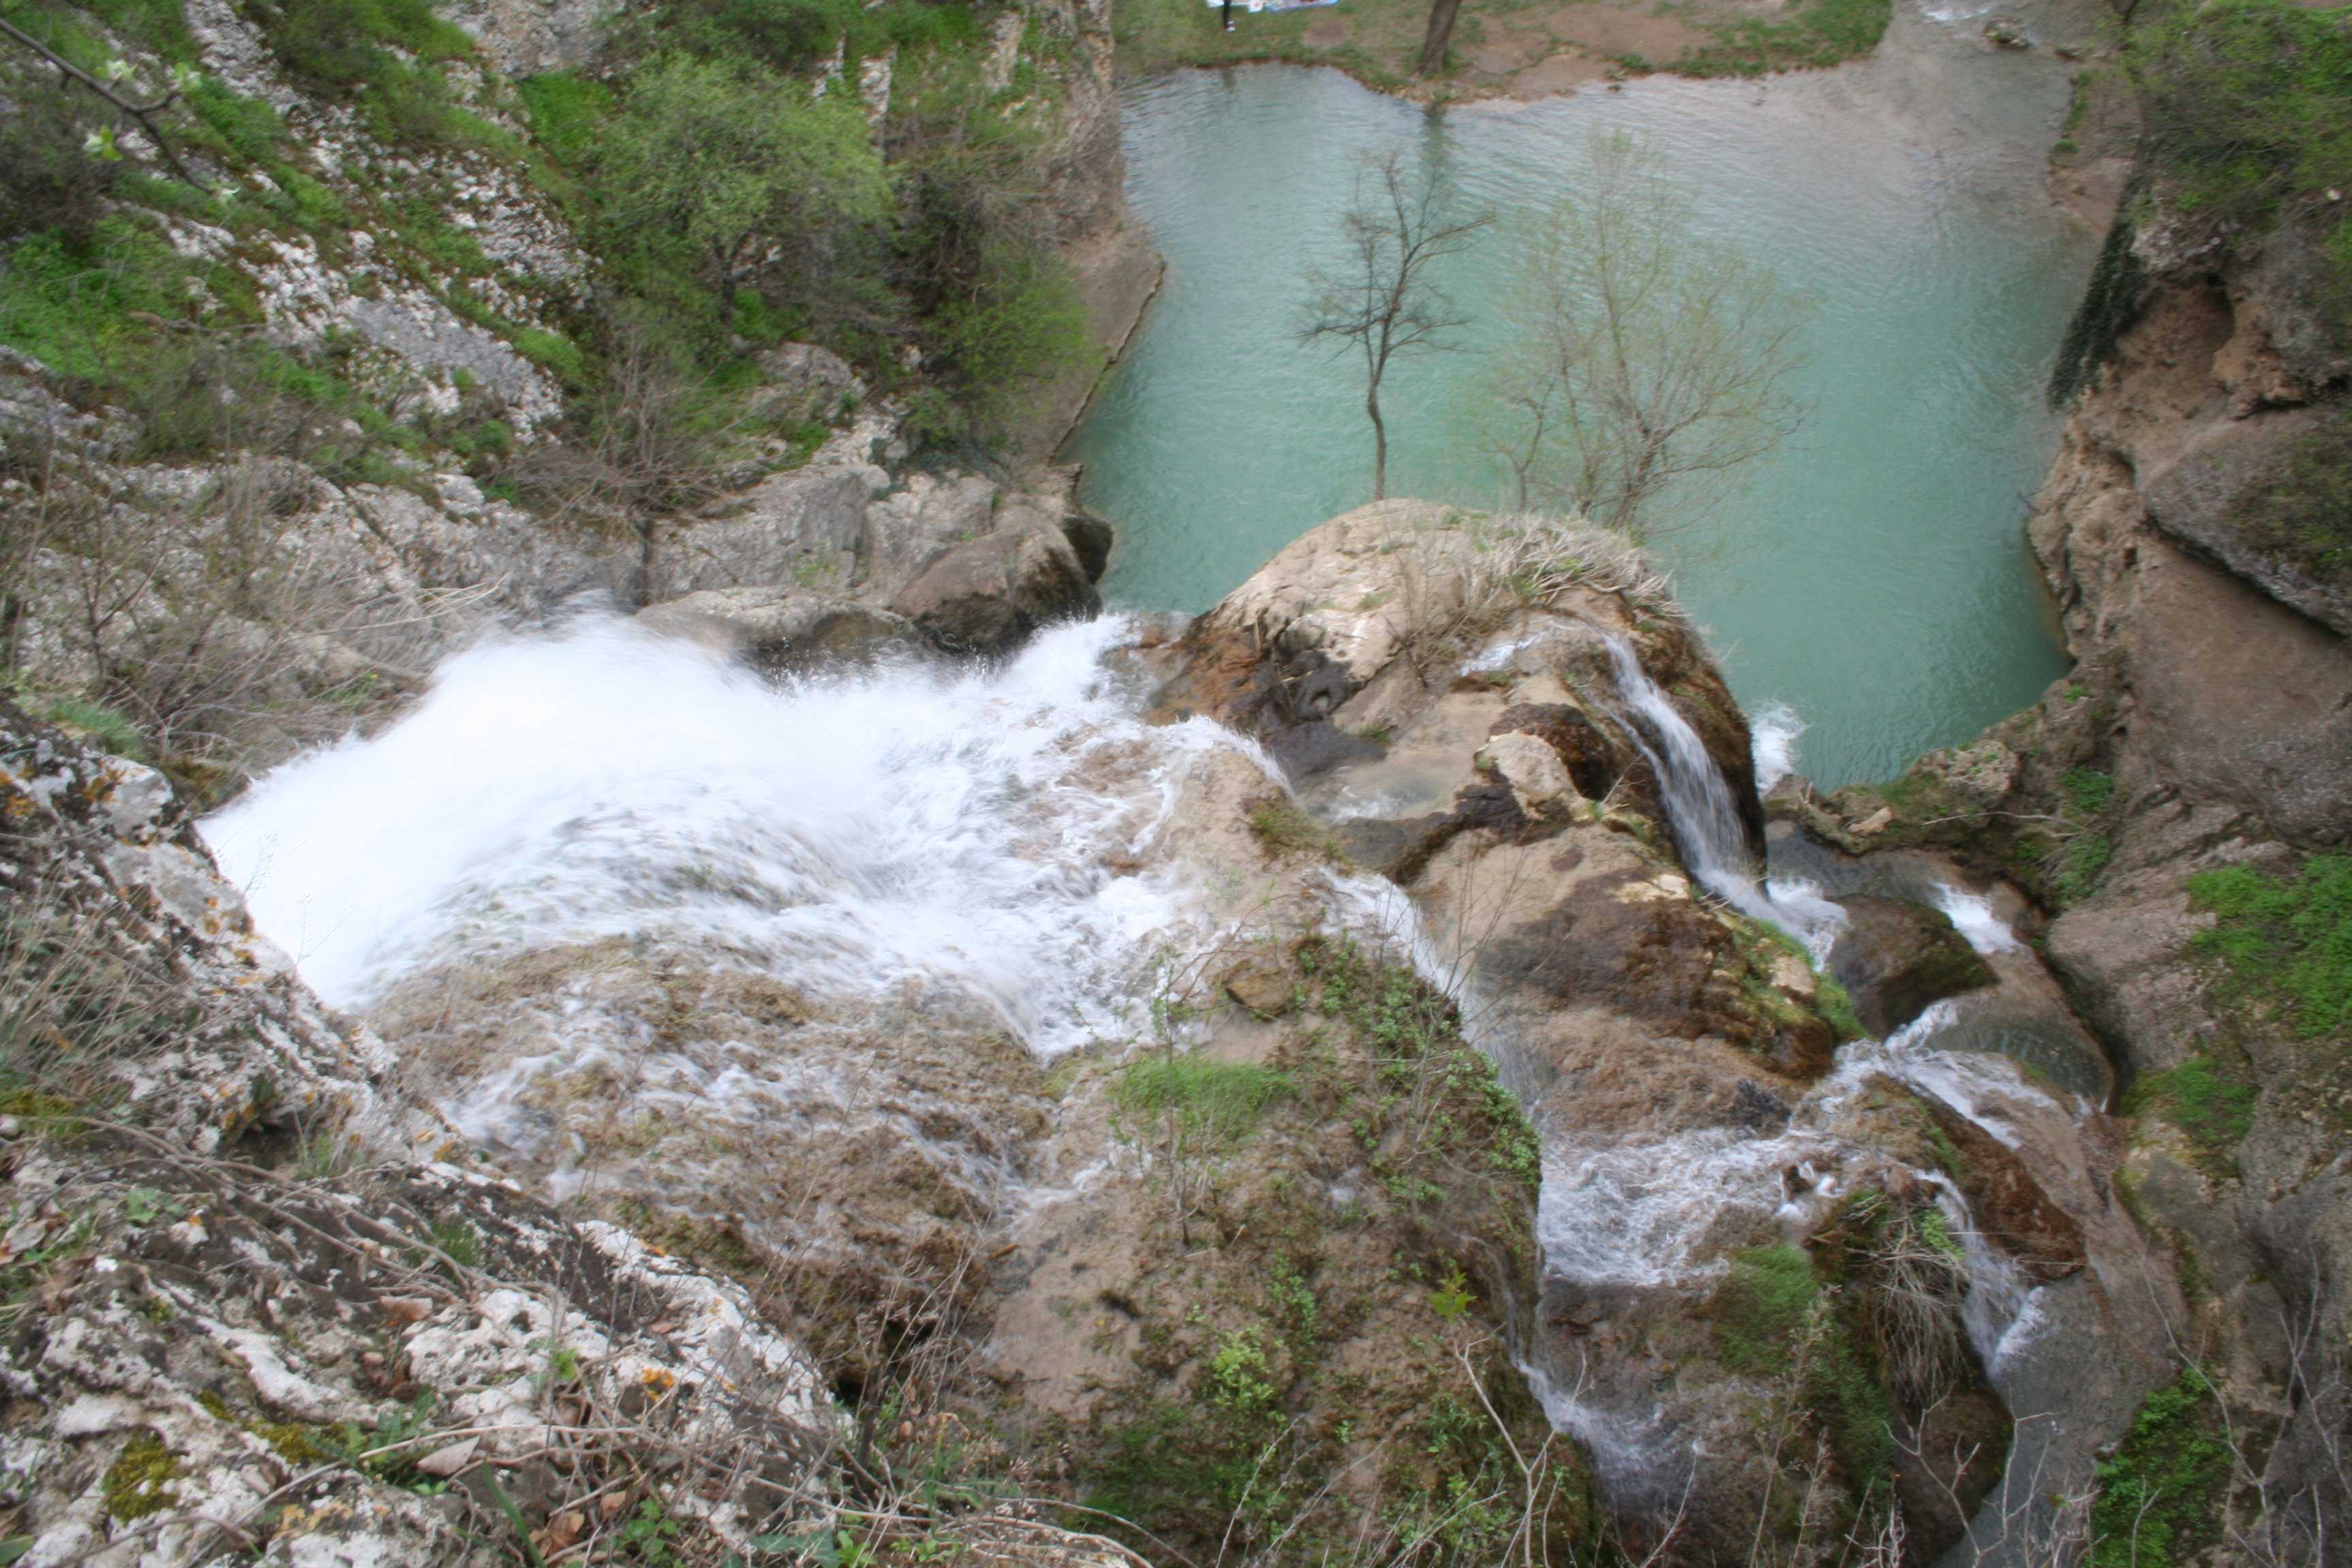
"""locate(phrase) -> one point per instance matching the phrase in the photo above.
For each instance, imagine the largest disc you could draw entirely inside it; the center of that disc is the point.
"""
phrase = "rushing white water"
(1706, 820)
(845, 834)
(1774, 729)
(1972, 916)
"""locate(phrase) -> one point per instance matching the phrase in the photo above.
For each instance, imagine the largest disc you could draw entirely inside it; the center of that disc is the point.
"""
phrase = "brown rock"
(2009, 1207)
(1894, 957)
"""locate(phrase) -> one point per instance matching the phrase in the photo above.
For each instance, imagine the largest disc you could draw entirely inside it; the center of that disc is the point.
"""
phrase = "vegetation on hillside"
(1382, 42)
(730, 190)
(2286, 939)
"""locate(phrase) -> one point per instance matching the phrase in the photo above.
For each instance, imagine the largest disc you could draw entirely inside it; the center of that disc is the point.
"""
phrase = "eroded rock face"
(1895, 957)
(246, 1245)
(2201, 732)
(1479, 752)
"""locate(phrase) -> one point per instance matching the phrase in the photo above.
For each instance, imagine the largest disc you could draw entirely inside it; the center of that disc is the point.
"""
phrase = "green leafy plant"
(2163, 1493)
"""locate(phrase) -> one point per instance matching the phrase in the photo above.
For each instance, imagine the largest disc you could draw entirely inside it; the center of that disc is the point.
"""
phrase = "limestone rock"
(787, 628)
(2197, 500)
(987, 595)
(804, 382)
(796, 526)
(1894, 957)
(221, 1292)
(1979, 777)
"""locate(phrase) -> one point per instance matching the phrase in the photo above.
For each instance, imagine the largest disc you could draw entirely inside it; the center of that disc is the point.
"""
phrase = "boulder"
(913, 526)
(787, 628)
(790, 527)
(987, 595)
(1895, 957)
(2200, 502)
(804, 382)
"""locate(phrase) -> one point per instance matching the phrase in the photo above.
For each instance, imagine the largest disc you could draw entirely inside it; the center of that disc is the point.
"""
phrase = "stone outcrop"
(2205, 728)
(1894, 957)
(1473, 744)
(260, 1296)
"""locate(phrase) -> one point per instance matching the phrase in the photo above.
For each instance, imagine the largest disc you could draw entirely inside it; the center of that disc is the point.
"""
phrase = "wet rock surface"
(2196, 743)
(1895, 957)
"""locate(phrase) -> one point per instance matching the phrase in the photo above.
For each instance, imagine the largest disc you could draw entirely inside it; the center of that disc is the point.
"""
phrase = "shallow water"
(1873, 575)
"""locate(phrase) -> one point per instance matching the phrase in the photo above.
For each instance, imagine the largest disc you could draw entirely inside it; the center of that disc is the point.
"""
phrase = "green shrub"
(112, 732)
(2162, 1493)
(245, 126)
(49, 177)
(1225, 1099)
(2286, 939)
(567, 113)
(792, 35)
(553, 352)
(1023, 323)
(2249, 103)
(717, 168)
(2213, 1107)
(2248, 106)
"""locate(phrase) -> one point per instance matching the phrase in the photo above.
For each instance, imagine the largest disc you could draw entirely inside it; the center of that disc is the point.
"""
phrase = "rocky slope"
(2178, 804)
(1539, 1208)
(1731, 1214)
(376, 448)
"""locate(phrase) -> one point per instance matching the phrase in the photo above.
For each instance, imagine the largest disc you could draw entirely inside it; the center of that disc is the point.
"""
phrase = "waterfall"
(985, 832)
(1706, 819)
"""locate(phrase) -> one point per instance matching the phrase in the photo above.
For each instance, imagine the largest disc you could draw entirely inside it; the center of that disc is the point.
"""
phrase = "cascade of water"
(844, 835)
(1706, 819)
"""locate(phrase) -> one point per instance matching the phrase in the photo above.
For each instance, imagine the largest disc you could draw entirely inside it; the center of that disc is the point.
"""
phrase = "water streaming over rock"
(1706, 820)
(845, 834)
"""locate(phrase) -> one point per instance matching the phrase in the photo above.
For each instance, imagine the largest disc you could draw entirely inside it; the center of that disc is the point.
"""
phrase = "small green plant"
(2287, 939)
(141, 1481)
(649, 1537)
(1761, 1305)
(2088, 791)
(459, 1241)
(1224, 1100)
(108, 729)
(1283, 827)
(1240, 1378)
(2164, 1493)
(1452, 1298)
(2214, 1107)
(145, 1206)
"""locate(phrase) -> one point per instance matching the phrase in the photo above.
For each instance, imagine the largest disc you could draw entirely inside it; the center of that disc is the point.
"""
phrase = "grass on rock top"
(1377, 41)
(2285, 939)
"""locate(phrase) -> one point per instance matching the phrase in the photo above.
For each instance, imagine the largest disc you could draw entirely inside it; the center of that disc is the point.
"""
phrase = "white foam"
(1971, 915)
(1773, 731)
(845, 834)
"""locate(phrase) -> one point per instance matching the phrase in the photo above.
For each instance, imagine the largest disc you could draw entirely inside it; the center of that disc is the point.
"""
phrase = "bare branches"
(143, 115)
(1641, 358)
(1382, 301)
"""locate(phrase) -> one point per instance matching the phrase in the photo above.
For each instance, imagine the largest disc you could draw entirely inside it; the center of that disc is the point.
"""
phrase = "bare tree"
(1638, 354)
(1440, 34)
(1382, 301)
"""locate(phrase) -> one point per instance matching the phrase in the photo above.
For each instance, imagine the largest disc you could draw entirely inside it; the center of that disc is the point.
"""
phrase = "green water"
(1873, 575)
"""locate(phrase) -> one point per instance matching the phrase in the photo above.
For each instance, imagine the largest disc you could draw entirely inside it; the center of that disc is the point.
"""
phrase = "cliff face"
(332, 418)
(2180, 802)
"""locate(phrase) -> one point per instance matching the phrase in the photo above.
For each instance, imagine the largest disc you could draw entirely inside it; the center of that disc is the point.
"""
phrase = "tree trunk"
(1379, 444)
(1441, 33)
